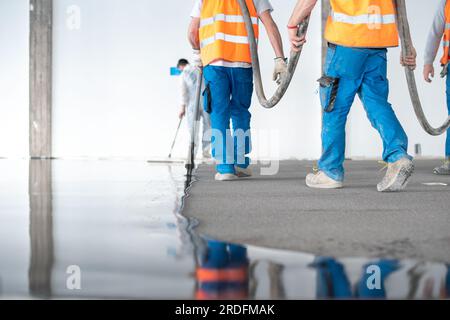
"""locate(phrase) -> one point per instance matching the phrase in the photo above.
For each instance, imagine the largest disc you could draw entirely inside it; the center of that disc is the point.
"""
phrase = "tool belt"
(444, 71)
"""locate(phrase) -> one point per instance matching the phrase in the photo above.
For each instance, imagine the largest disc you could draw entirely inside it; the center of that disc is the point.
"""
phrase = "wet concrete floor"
(113, 229)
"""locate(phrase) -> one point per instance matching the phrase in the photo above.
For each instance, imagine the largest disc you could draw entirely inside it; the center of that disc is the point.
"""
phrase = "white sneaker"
(320, 180)
(243, 173)
(225, 177)
(444, 169)
(397, 176)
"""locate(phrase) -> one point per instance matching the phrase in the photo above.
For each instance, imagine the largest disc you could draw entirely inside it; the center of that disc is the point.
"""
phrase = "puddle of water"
(105, 229)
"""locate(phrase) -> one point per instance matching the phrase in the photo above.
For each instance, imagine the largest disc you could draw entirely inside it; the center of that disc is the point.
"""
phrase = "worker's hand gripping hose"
(406, 40)
(293, 61)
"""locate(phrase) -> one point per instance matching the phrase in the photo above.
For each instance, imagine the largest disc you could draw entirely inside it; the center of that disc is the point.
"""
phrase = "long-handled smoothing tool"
(190, 162)
(406, 40)
(175, 139)
(169, 159)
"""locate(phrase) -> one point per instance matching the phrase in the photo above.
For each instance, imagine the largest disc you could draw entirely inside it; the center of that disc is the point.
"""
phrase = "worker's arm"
(194, 40)
(280, 70)
(302, 10)
(193, 33)
(273, 32)
(434, 41)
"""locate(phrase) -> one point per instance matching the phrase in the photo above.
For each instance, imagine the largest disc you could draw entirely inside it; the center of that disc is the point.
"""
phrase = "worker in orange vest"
(223, 272)
(440, 30)
(358, 33)
(218, 36)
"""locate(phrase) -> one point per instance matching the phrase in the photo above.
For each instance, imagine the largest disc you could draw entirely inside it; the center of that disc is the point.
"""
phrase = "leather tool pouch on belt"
(207, 105)
(444, 71)
(328, 92)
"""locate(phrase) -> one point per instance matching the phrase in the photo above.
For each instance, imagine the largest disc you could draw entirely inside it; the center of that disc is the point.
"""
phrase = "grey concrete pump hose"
(293, 61)
(406, 40)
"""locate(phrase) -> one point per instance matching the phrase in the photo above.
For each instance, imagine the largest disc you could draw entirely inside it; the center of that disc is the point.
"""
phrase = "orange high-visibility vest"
(446, 57)
(362, 24)
(238, 274)
(222, 31)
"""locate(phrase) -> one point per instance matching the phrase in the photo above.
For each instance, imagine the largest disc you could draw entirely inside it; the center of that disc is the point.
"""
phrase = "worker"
(222, 272)
(358, 34)
(189, 80)
(439, 29)
(218, 36)
(333, 282)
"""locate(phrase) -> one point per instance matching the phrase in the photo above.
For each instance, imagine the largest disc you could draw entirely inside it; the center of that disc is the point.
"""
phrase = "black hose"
(293, 61)
(406, 40)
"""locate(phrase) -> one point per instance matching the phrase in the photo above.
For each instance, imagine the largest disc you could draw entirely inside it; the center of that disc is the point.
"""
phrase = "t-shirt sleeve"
(262, 6)
(435, 34)
(196, 11)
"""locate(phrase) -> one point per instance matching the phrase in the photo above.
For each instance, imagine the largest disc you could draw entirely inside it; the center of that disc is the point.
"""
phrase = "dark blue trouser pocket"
(328, 92)
(207, 99)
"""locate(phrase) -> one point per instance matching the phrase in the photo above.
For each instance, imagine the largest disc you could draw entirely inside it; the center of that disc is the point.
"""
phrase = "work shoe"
(320, 180)
(444, 169)
(206, 155)
(243, 172)
(225, 177)
(397, 176)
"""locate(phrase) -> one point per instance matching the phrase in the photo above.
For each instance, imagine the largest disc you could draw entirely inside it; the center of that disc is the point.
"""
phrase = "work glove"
(196, 59)
(182, 112)
(280, 71)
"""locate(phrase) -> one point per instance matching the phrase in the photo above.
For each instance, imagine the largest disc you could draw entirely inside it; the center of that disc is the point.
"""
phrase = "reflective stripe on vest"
(220, 275)
(369, 19)
(223, 35)
(446, 41)
(362, 23)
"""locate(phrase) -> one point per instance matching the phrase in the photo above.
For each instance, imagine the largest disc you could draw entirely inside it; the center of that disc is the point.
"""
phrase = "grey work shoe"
(243, 173)
(320, 180)
(444, 169)
(397, 176)
(225, 177)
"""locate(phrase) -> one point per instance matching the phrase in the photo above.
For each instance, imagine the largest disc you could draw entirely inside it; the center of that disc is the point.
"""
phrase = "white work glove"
(280, 71)
(196, 59)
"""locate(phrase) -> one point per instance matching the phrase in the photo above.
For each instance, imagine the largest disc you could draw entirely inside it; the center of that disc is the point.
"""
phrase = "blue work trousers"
(361, 72)
(228, 97)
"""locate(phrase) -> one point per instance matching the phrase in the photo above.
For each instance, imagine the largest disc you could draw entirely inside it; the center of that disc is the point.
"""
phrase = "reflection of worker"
(358, 33)
(218, 31)
(439, 29)
(189, 81)
(333, 282)
(223, 272)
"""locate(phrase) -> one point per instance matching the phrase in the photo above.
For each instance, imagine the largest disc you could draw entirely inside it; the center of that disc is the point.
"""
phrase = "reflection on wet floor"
(115, 228)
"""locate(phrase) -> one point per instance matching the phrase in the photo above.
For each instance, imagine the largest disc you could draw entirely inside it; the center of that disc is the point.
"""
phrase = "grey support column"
(41, 228)
(41, 16)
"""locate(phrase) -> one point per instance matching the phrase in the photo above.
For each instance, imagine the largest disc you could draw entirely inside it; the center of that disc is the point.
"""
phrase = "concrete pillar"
(41, 228)
(41, 15)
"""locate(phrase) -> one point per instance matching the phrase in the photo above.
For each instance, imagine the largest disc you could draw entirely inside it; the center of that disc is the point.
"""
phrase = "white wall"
(363, 140)
(14, 28)
(113, 95)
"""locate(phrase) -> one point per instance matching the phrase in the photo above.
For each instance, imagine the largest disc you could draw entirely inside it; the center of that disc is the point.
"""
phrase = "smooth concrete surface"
(281, 212)
(116, 226)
